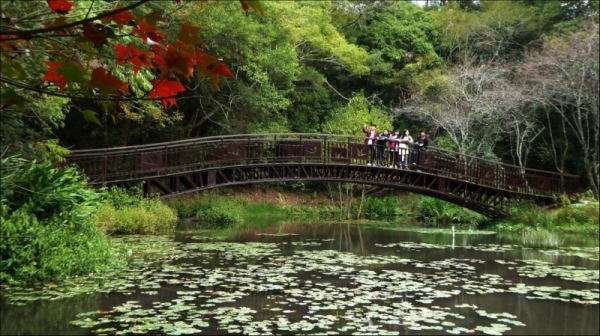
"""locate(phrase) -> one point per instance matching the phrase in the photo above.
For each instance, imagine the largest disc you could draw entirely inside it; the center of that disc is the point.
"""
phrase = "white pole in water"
(453, 237)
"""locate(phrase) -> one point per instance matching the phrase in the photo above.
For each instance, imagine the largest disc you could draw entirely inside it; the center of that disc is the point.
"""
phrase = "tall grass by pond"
(569, 218)
(541, 238)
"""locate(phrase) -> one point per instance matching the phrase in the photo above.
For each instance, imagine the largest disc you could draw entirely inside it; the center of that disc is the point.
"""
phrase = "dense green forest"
(515, 81)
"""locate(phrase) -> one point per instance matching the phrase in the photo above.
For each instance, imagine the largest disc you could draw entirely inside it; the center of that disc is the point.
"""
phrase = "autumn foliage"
(83, 64)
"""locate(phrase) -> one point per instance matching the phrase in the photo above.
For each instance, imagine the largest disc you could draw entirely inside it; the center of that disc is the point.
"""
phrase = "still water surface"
(323, 279)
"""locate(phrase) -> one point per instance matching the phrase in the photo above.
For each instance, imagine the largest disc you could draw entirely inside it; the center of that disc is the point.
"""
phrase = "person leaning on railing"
(403, 141)
(370, 140)
(393, 148)
(420, 146)
(382, 139)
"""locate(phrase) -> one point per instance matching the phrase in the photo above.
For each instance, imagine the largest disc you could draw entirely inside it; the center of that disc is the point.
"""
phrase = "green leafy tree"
(351, 118)
(400, 38)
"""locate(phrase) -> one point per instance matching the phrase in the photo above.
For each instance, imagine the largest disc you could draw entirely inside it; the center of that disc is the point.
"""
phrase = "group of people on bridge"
(396, 145)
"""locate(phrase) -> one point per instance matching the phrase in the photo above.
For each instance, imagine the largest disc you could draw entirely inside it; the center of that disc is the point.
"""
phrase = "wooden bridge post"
(348, 152)
(302, 146)
(324, 152)
(104, 168)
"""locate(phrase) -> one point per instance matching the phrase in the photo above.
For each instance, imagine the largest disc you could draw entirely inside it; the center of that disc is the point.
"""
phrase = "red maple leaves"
(121, 18)
(134, 56)
(52, 75)
(60, 6)
(95, 33)
(182, 58)
(107, 84)
(166, 89)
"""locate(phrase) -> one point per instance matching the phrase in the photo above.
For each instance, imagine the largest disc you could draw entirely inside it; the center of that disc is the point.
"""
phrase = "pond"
(322, 279)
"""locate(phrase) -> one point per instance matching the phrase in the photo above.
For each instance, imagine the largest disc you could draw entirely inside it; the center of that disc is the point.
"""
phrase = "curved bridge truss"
(185, 166)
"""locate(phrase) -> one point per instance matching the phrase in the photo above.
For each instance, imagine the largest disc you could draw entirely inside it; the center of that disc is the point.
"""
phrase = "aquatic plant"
(540, 238)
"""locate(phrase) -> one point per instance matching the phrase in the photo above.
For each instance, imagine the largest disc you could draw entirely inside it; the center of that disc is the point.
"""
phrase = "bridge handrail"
(139, 149)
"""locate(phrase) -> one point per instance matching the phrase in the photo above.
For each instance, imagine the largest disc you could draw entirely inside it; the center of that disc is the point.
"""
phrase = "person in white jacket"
(403, 141)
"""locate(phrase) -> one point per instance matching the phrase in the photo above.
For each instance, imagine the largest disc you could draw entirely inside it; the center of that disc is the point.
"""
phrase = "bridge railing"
(137, 162)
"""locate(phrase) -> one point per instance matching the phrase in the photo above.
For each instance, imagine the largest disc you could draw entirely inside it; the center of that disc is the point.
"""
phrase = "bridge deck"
(190, 165)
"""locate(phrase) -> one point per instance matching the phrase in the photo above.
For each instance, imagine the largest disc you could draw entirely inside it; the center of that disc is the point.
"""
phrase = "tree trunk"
(341, 201)
(362, 199)
(349, 194)
(126, 125)
(105, 126)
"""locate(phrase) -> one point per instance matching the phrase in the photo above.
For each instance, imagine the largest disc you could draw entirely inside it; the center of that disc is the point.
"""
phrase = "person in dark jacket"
(382, 139)
(421, 144)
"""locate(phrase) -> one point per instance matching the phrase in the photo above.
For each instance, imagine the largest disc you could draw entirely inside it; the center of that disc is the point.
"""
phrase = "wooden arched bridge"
(178, 167)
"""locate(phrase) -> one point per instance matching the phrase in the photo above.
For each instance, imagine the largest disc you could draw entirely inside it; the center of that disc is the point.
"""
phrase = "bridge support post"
(174, 183)
(146, 187)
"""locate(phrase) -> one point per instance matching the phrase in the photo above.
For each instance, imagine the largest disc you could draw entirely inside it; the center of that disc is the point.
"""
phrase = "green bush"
(221, 212)
(121, 197)
(531, 216)
(442, 212)
(374, 208)
(188, 208)
(184, 208)
(127, 211)
(578, 214)
(147, 217)
(48, 224)
(576, 218)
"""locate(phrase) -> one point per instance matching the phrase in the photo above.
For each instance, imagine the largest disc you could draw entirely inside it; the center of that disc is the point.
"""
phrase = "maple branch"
(72, 24)
(34, 15)
(64, 95)
(89, 9)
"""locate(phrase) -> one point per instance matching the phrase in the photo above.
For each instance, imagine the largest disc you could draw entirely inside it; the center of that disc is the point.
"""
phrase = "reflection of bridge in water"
(192, 165)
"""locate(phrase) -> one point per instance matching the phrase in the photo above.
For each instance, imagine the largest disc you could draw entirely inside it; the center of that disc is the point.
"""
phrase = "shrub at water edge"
(374, 208)
(442, 212)
(188, 208)
(48, 224)
(576, 218)
(126, 211)
(220, 212)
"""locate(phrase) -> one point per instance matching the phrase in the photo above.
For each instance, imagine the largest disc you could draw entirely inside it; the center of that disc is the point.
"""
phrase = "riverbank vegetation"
(55, 226)
(569, 218)
(311, 202)
(49, 229)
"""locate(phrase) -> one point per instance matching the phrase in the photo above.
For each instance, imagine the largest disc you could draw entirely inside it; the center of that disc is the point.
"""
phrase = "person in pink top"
(370, 140)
